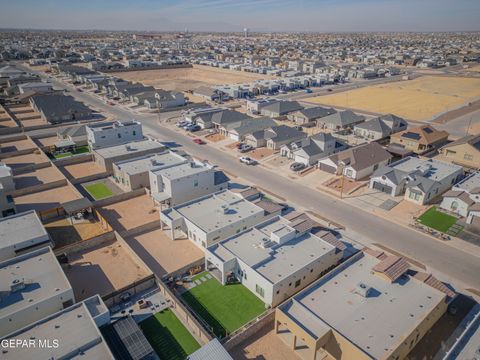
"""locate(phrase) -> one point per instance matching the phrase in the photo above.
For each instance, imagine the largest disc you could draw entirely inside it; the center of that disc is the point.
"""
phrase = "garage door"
(327, 168)
(383, 188)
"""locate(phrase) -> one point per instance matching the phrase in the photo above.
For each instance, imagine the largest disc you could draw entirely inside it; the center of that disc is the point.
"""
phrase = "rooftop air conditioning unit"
(17, 285)
(363, 290)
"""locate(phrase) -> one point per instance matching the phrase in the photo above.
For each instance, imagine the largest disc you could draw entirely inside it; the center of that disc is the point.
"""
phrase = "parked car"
(245, 148)
(240, 145)
(308, 91)
(96, 91)
(182, 123)
(247, 160)
(198, 141)
(193, 128)
(297, 166)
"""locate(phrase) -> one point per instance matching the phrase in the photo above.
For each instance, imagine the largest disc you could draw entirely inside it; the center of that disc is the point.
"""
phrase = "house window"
(468, 157)
(297, 283)
(134, 133)
(349, 172)
(245, 275)
(119, 135)
(259, 290)
(195, 183)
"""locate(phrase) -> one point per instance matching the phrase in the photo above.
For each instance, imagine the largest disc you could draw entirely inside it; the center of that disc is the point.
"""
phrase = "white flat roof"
(470, 182)
(43, 277)
(438, 169)
(275, 262)
(217, 210)
(129, 148)
(150, 162)
(375, 324)
(182, 170)
(21, 230)
(74, 328)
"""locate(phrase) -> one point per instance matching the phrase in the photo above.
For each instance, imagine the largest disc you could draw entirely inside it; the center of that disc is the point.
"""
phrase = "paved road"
(456, 264)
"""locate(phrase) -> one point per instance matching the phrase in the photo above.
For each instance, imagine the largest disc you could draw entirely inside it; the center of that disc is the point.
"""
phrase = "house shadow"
(27, 181)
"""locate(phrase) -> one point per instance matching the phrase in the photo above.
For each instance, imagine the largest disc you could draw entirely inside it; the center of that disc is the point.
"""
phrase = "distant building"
(380, 127)
(356, 163)
(373, 306)
(420, 139)
(21, 233)
(274, 259)
(60, 108)
(113, 133)
(464, 151)
(33, 286)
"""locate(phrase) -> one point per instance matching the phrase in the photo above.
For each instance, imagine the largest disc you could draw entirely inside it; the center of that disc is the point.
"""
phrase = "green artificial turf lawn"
(79, 150)
(99, 191)
(224, 308)
(168, 337)
(437, 220)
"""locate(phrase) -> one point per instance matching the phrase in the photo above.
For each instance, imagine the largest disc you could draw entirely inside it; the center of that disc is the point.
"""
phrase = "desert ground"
(421, 99)
(189, 78)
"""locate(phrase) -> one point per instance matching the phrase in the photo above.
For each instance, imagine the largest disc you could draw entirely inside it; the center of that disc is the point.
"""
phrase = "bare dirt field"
(17, 162)
(189, 78)
(129, 214)
(162, 254)
(37, 177)
(263, 345)
(420, 99)
(101, 270)
(46, 200)
(83, 169)
(17, 145)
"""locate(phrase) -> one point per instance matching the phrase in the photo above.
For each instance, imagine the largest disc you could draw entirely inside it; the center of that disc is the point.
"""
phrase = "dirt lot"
(37, 177)
(17, 162)
(101, 270)
(64, 233)
(263, 345)
(45, 200)
(189, 78)
(260, 153)
(215, 137)
(419, 99)
(83, 169)
(48, 141)
(162, 254)
(17, 145)
(129, 214)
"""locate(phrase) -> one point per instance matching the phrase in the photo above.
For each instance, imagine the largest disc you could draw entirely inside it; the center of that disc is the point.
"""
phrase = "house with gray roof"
(237, 130)
(340, 120)
(356, 163)
(220, 119)
(57, 108)
(313, 148)
(421, 180)
(310, 115)
(275, 259)
(280, 108)
(380, 127)
(275, 137)
(464, 199)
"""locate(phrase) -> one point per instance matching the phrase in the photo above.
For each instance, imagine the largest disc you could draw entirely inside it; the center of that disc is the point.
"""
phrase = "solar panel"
(427, 130)
(132, 337)
(410, 135)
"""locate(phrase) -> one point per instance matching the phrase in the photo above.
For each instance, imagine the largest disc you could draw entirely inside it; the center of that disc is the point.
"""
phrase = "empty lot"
(37, 177)
(189, 78)
(162, 254)
(102, 270)
(46, 200)
(83, 169)
(419, 99)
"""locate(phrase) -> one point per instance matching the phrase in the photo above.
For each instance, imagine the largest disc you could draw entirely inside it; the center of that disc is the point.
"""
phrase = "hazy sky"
(228, 15)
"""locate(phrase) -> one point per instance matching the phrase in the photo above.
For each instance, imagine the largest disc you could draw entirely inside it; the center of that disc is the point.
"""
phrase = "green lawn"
(168, 337)
(224, 308)
(99, 191)
(79, 150)
(437, 220)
